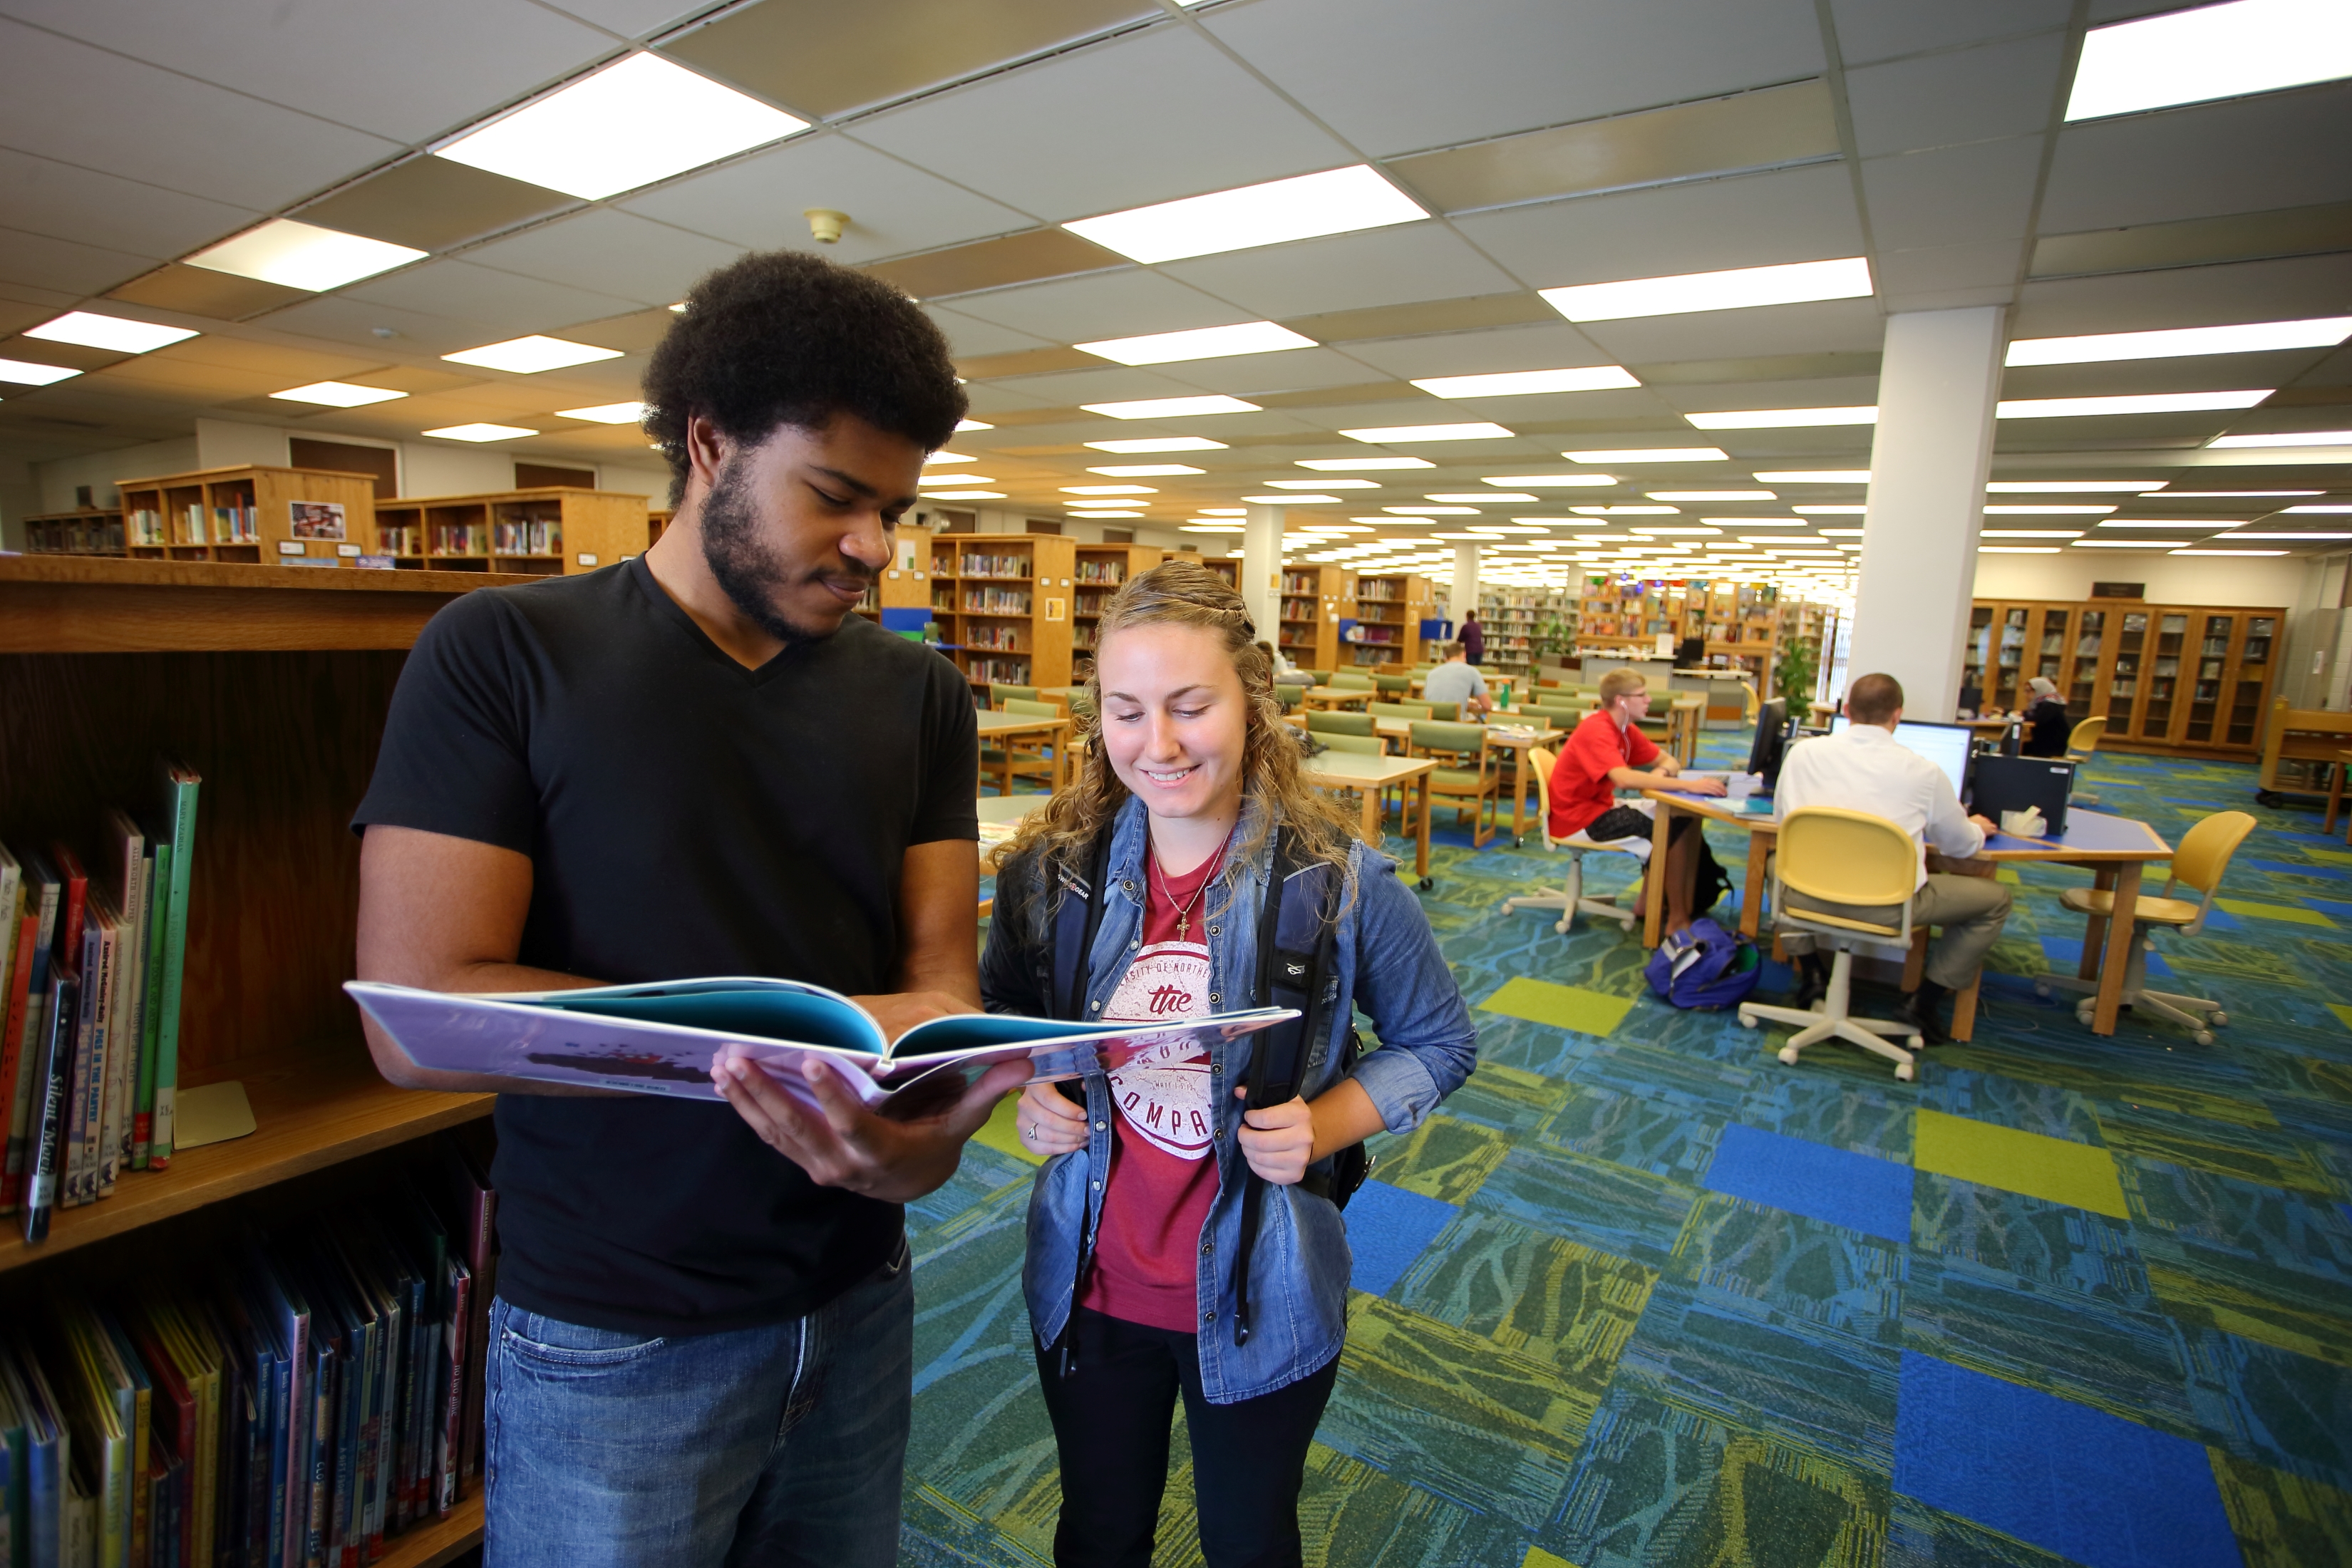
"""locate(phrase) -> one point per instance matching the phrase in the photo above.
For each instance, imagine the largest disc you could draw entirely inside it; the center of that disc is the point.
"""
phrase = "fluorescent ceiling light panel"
(2228, 552)
(26, 373)
(302, 255)
(1548, 482)
(1109, 491)
(96, 331)
(1322, 484)
(2137, 403)
(2327, 509)
(961, 424)
(2176, 523)
(961, 495)
(1362, 465)
(2210, 52)
(481, 432)
(1736, 289)
(1208, 528)
(2071, 487)
(2085, 509)
(336, 394)
(2232, 494)
(1626, 511)
(2276, 438)
(1831, 511)
(1673, 530)
(1145, 470)
(1202, 343)
(1139, 443)
(2236, 536)
(624, 414)
(1712, 495)
(2017, 549)
(2256, 337)
(1524, 383)
(528, 356)
(1816, 476)
(639, 120)
(1488, 497)
(2016, 532)
(1103, 516)
(961, 477)
(1171, 408)
(2129, 544)
(1387, 435)
(945, 457)
(1337, 201)
(1653, 454)
(1433, 511)
(1782, 418)
(1292, 501)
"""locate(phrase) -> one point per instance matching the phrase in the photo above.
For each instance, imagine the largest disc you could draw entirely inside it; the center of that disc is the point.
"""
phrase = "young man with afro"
(700, 761)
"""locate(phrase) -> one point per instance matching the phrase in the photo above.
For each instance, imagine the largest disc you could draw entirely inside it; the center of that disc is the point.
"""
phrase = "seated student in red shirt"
(1608, 752)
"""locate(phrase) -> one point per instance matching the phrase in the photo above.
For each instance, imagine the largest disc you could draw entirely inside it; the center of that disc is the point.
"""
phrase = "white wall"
(2278, 580)
(99, 471)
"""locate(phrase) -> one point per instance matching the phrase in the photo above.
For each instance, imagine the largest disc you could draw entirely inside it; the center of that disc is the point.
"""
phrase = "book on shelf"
(666, 1037)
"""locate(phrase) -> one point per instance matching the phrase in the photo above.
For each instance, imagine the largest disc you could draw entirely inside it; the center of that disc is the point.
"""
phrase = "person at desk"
(1865, 768)
(1454, 681)
(2046, 729)
(1608, 752)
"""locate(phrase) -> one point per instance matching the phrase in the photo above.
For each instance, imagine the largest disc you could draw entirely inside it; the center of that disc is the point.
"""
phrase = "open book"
(662, 1038)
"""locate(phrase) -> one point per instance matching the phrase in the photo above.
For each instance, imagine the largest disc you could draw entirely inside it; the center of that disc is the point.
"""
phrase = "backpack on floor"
(1706, 967)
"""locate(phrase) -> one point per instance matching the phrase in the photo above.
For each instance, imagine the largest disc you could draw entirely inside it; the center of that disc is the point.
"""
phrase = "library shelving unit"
(85, 530)
(1516, 621)
(1098, 571)
(252, 515)
(1315, 601)
(1002, 602)
(273, 685)
(656, 519)
(1390, 608)
(1225, 567)
(2189, 677)
(900, 599)
(534, 533)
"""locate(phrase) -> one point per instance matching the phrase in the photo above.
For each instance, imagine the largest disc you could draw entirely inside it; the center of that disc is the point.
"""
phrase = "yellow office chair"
(1854, 858)
(2083, 740)
(1569, 899)
(2199, 864)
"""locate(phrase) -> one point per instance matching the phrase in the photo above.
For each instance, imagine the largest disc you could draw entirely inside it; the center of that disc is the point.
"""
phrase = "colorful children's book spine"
(180, 787)
(44, 1171)
(42, 898)
(78, 1094)
(151, 1007)
(114, 1126)
(127, 859)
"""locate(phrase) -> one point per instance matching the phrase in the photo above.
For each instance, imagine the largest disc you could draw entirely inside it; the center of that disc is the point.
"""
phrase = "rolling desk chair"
(2199, 864)
(1568, 900)
(1854, 858)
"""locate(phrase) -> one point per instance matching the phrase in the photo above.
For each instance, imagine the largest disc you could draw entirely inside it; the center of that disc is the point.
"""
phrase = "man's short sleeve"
(949, 806)
(455, 758)
(1640, 750)
(1591, 750)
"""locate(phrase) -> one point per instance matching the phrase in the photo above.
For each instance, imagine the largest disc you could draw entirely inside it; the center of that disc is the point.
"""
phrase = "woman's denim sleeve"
(1428, 1044)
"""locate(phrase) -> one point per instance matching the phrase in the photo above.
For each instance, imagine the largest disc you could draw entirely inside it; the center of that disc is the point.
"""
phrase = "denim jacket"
(1386, 961)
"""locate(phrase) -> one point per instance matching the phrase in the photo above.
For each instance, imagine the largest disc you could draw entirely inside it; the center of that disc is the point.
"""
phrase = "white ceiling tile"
(970, 337)
(1157, 115)
(1963, 95)
(2292, 289)
(1913, 280)
(1111, 383)
(2241, 156)
(1827, 392)
(335, 319)
(1827, 326)
(1125, 303)
(611, 252)
(1290, 371)
(1952, 195)
(632, 18)
(893, 208)
(988, 397)
(1544, 347)
(1881, 29)
(2199, 373)
(1349, 271)
(1397, 76)
(504, 305)
(67, 100)
(49, 197)
(1754, 220)
(61, 264)
(356, 62)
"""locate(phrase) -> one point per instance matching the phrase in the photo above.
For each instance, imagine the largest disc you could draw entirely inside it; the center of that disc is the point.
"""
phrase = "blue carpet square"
(2337, 907)
(2064, 955)
(1856, 1190)
(1388, 1227)
(2091, 1487)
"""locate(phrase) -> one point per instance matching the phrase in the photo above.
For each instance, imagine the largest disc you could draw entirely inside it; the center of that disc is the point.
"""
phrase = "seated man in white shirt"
(1865, 768)
(1456, 680)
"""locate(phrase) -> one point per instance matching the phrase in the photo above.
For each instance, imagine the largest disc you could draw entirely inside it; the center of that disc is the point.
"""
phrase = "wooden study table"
(1008, 727)
(2112, 848)
(1516, 739)
(1368, 775)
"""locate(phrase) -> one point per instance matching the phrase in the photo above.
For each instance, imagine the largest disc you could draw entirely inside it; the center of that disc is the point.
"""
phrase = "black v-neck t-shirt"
(683, 816)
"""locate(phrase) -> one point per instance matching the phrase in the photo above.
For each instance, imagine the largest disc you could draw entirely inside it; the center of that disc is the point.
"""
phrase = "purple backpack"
(1706, 967)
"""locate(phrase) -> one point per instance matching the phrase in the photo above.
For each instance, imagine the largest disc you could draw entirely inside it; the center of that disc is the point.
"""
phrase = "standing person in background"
(1608, 752)
(1275, 658)
(1189, 804)
(1474, 637)
(2046, 729)
(1454, 681)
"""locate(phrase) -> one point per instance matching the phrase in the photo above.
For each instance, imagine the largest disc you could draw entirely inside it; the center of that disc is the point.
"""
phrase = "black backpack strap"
(1077, 916)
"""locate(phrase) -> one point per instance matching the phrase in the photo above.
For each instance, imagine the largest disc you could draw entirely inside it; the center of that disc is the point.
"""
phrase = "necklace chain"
(1184, 910)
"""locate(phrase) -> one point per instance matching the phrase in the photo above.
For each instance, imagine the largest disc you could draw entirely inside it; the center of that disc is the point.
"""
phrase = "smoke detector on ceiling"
(824, 224)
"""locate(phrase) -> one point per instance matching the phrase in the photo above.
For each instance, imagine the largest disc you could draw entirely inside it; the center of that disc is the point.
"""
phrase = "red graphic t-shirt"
(1162, 1178)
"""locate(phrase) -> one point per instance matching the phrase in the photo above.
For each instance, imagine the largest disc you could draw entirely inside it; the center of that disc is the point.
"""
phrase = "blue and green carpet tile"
(1638, 1294)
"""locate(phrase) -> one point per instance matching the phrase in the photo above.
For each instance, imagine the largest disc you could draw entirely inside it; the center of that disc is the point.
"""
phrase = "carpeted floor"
(1639, 1294)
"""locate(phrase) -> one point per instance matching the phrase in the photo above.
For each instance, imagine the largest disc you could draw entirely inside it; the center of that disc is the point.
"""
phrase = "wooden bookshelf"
(435, 1542)
(544, 532)
(1390, 608)
(250, 515)
(1097, 573)
(1002, 602)
(2197, 678)
(54, 604)
(85, 530)
(1313, 601)
(1521, 622)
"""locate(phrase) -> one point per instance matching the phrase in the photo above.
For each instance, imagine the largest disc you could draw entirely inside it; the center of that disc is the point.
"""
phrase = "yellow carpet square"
(2079, 1175)
(1561, 1007)
(1537, 1557)
(1001, 1134)
(2343, 1012)
(2288, 912)
(2330, 856)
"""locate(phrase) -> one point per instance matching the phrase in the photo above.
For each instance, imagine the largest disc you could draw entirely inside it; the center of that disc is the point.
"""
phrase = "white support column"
(1463, 595)
(1937, 383)
(1261, 571)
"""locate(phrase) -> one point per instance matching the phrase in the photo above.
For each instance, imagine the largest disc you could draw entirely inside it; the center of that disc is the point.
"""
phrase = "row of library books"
(1004, 639)
(238, 524)
(314, 1391)
(90, 1034)
(997, 601)
(1111, 571)
(972, 565)
(533, 538)
(1000, 671)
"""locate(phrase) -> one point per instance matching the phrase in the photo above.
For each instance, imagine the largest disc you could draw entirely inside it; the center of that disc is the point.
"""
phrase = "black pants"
(1111, 1420)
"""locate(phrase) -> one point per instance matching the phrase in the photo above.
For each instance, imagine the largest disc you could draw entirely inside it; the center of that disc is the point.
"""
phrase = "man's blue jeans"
(783, 1444)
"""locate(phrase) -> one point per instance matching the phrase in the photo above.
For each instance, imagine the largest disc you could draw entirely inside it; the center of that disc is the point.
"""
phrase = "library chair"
(1861, 861)
(1399, 710)
(1368, 745)
(1024, 759)
(1338, 722)
(2199, 865)
(1392, 687)
(2080, 743)
(1319, 677)
(1444, 713)
(1570, 898)
(1348, 680)
(1469, 777)
(1288, 694)
(997, 694)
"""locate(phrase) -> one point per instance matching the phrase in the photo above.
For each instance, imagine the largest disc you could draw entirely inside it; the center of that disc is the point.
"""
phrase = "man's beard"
(743, 565)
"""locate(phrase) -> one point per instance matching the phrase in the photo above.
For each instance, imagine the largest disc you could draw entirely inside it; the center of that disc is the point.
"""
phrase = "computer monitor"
(1771, 742)
(1946, 746)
